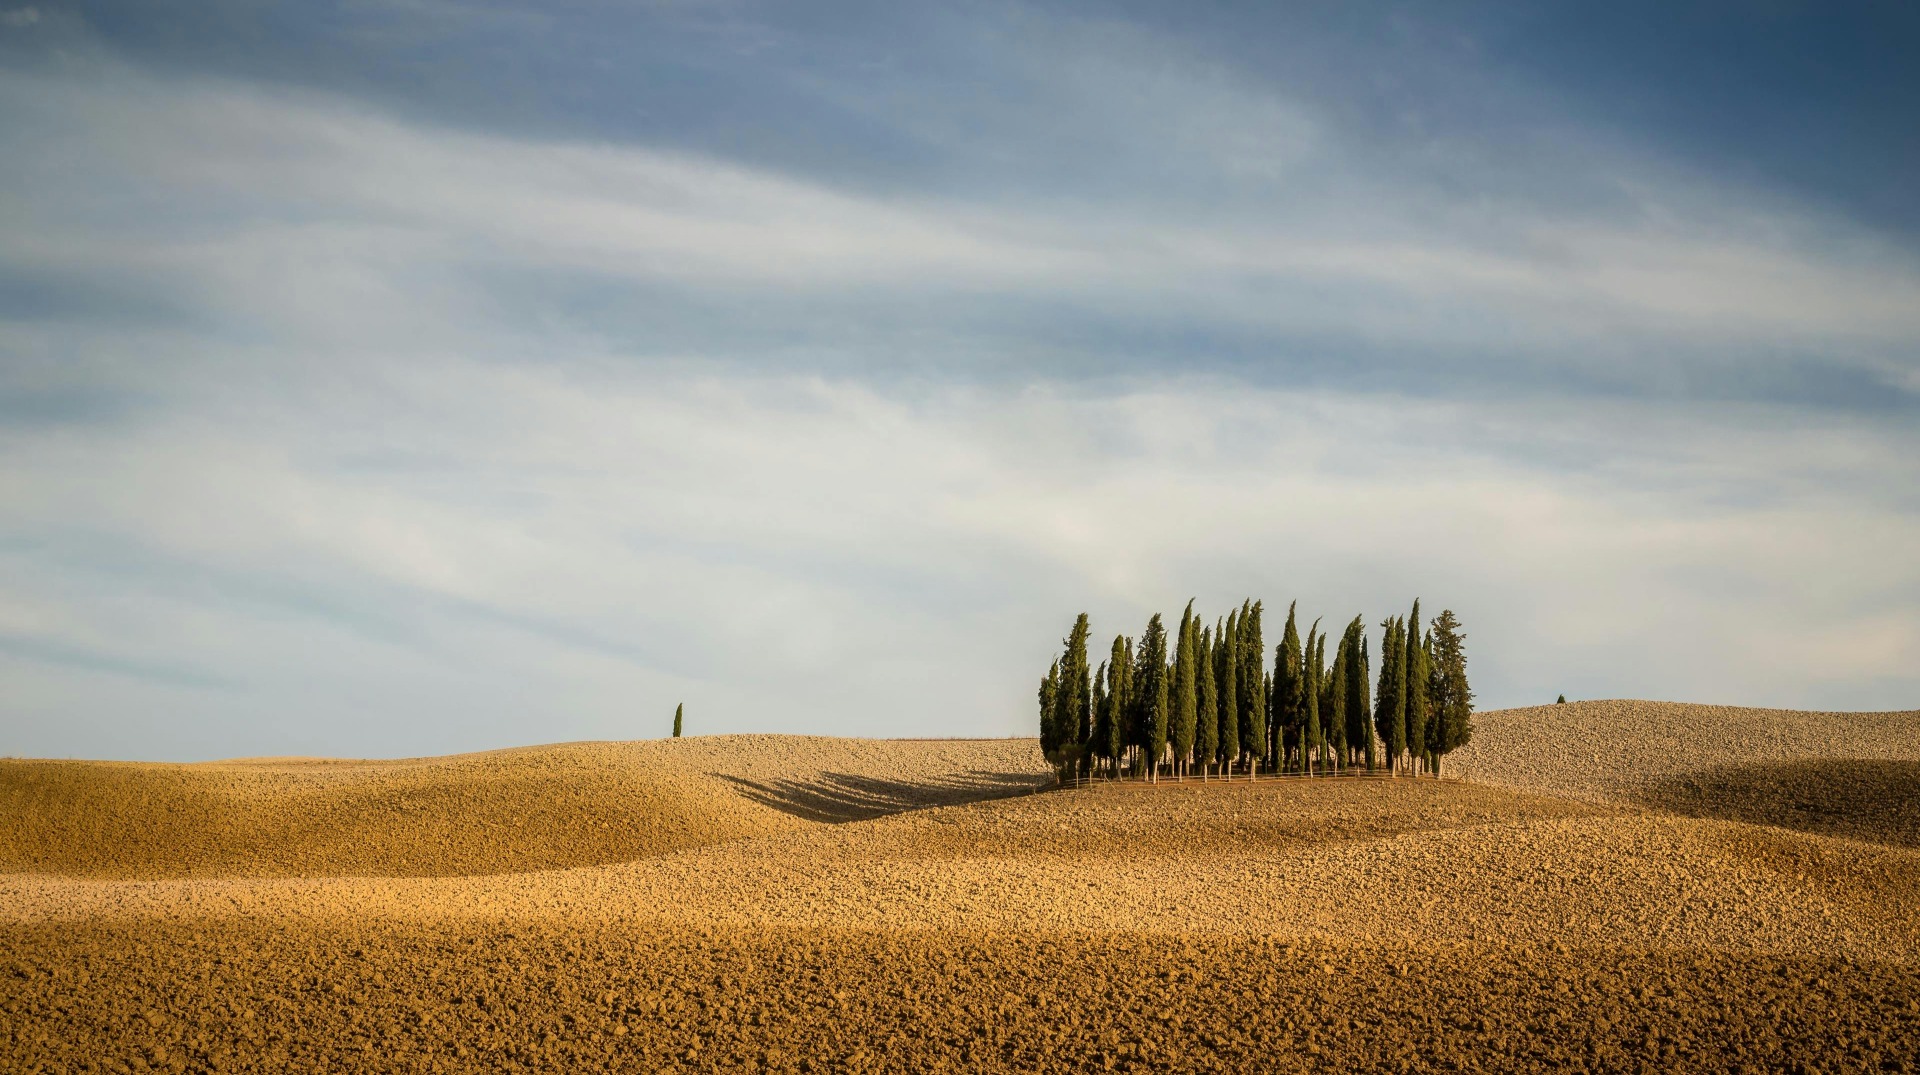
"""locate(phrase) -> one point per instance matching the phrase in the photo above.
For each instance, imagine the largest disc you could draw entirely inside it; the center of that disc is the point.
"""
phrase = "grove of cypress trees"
(1186, 703)
(1229, 695)
(678, 712)
(1204, 695)
(1452, 699)
(1206, 721)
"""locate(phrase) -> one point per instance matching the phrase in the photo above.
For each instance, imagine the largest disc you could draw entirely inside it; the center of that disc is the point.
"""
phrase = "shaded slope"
(1620, 749)
(1876, 801)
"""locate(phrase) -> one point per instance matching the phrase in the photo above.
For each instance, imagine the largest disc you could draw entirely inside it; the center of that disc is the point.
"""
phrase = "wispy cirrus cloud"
(343, 423)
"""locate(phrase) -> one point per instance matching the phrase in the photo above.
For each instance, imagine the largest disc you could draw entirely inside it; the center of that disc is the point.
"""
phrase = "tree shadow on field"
(1874, 801)
(838, 797)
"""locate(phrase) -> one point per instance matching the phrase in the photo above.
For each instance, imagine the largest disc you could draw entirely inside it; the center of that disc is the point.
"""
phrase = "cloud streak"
(333, 427)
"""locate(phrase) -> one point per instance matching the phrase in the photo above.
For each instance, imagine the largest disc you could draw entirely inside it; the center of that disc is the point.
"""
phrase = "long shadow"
(1873, 801)
(838, 797)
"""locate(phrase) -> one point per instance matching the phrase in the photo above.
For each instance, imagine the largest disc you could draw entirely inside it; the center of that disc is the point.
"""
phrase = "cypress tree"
(1310, 693)
(1452, 698)
(1229, 695)
(1097, 743)
(678, 712)
(1290, 711)
(1153, 691)
(1334, 718)
(1049, 710)
(1073, 698)
(1416, 681)
(1266, 705)
(1363, 712)
(1389, 707)
(1185, 700)
(1119, 691)
(1358, 715)
(1252, 679)
(1206, 723)
(1562, 700)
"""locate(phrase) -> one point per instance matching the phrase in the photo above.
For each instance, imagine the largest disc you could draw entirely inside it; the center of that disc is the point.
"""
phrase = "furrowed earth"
(1609, 888)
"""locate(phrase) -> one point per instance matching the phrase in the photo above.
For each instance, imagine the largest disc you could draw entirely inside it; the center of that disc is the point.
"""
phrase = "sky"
(402, 377)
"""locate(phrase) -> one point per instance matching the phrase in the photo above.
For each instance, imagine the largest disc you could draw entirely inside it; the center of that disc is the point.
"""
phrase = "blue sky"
(401, 378)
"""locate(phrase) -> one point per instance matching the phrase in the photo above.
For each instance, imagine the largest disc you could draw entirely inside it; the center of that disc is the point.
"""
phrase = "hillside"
(534, 808)
(901, 911)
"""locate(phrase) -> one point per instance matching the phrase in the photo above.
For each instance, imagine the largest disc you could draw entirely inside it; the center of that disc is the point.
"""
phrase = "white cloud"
(352, 505)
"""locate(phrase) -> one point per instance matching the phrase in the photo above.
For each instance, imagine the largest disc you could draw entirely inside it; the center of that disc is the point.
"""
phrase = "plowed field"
(777, 904)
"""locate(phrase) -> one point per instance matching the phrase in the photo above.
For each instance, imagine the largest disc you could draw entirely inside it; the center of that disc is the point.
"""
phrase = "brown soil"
(539, 808)
(1620, 749)
(1876, 801)
(1272, 926)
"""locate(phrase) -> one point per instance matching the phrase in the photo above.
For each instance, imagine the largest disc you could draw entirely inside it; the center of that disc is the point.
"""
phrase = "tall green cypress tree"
(1310, 694)
(1389, 707)
(1073, 699)
(1289, 701)
(1416, 681)
(1358, 717)
(1252, 682)
(1098, 742)
(1230, 695)
(1405, 752)
(1186, 702)
(1049, 711)
(1206, 721)
(1153, 690)
(1119, 701)
(1452, 697)
(1364, 712)
(678, 712)
(1335, 716)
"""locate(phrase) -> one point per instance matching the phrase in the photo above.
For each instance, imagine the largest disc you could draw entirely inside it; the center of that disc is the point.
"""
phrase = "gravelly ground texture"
(787, 904)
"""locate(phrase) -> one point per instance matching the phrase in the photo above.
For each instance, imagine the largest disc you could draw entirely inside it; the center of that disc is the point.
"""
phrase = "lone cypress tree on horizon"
(678, 712)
